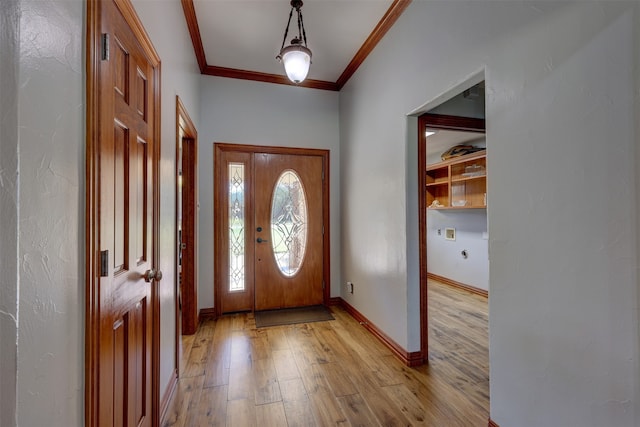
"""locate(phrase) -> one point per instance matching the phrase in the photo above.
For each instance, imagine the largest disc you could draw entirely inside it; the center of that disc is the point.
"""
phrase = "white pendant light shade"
(296, 57)
(296, 60)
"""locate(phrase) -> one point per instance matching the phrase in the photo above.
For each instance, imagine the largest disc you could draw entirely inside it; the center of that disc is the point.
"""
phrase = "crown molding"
(234, 73)
(194, 32)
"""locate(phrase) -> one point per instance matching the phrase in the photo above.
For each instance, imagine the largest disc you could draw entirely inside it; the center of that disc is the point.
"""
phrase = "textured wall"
(9, 287)
(51, 200)
(563, 214)
(444, 256)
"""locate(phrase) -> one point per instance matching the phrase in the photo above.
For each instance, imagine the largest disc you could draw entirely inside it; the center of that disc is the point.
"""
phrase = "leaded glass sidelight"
(289, 223)
(236, 227)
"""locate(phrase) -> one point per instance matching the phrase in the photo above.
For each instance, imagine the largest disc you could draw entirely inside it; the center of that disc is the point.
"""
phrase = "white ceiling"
(247, 34)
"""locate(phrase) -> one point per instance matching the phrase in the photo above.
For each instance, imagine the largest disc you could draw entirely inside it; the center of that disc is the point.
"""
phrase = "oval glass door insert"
(289, 223)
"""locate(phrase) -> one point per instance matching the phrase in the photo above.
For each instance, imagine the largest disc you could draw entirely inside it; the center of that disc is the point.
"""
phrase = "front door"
(288, 231)
(123, 202)
(270, 218)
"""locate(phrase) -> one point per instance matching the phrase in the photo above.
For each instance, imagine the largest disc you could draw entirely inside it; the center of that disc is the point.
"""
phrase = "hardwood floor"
(335, 372)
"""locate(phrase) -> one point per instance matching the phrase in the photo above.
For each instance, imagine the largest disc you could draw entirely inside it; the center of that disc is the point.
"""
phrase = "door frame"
(187, 139)
(220, 147)
(92, 206)
(436, 121)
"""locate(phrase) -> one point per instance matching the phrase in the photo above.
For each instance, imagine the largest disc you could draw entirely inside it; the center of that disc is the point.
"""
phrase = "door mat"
(290, 316)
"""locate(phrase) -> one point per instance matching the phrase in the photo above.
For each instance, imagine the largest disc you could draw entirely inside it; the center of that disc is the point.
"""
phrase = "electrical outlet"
(439, 231)
(350, 287)
(450, 234)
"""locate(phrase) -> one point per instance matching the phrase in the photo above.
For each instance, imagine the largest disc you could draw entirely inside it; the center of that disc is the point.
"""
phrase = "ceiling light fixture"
(295, 57)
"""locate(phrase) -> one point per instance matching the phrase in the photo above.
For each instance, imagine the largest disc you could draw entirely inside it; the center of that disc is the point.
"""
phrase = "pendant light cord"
(302, 34)
(286, 31)
(301, 24)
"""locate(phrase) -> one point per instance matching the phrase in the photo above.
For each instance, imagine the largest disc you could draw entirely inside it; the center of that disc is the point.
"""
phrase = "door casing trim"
(189, 315)
(438, 122)
(220, 147)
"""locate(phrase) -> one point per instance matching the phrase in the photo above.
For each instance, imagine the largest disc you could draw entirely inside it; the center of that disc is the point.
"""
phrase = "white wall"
(459, 105)
(444, 257)
(562, 218)
(572, 334)
(180, 76)
(245, 112)
(50, 255)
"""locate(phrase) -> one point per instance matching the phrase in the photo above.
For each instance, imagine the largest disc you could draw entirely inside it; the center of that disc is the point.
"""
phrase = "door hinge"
(104, 263)
(104, 47)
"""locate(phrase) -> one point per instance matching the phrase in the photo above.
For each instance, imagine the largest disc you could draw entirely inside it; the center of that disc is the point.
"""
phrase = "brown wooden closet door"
(126, 197)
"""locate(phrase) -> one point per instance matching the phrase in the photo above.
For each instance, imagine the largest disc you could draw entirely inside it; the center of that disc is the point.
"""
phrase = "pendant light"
(296, 57)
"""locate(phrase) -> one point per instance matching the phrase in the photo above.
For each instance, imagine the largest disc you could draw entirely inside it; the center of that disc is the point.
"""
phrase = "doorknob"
(261, 240)
(152, 274)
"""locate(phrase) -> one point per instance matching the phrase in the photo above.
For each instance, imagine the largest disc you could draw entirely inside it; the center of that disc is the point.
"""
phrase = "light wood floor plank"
(260, 345)
(297, 406)
(200, 349)
(357, 411)
(185, 399)
(185, 350)
(293, 390)
(335, 372)
(299, 414)
(211, 410)
(265, 382)
(387, 413)
(277, 338)
(338, 379)
(219, 358)
(241, 380)
(314, 380)
(285, 364)
(327, 410)
(271, 415)
(241, 413)
(238, 321)
(331, 342)
(409, 404)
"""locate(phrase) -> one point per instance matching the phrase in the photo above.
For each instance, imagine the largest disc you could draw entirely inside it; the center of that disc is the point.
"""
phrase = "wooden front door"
(288, 236)
(123, 206)
(271, 215)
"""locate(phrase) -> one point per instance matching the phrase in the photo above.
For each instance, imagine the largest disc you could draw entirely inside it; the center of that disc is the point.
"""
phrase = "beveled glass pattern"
(236, 227)
(289, 223)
